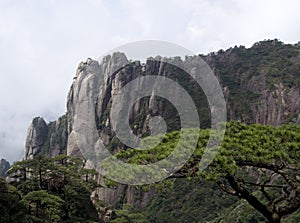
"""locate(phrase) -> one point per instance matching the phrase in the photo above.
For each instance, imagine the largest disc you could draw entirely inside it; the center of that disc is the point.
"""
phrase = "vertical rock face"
(47, 139)
(57, 137)
(251, 98)
(36, 137)
(88, 107)
(4, 166)
(89, 88)
(277, 106)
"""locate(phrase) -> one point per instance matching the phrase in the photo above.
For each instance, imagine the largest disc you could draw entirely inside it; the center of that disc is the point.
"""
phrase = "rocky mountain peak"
(36, 136)
(254, 92)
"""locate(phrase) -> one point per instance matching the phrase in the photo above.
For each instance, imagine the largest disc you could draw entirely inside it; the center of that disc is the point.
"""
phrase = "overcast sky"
(42, 42)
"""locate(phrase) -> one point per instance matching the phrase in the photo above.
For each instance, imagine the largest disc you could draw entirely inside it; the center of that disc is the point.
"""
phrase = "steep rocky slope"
(4, 166)
(48, 139)
(260, 85)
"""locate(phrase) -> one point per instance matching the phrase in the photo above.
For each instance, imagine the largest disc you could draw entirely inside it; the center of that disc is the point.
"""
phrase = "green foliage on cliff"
(247, 72)
(257, 163)
(277, 61)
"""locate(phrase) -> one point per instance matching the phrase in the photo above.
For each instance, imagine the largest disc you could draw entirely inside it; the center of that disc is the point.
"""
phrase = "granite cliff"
(4, 166)
(260, 85)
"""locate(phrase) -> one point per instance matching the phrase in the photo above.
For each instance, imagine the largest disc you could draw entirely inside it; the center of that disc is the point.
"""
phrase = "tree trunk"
(272, 217)
(275, 218)
(40, 178)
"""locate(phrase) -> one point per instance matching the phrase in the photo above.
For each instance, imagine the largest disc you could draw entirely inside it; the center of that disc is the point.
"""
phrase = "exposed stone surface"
(36, 137)
(48, 139)
(276, 106)
(124, 194)
(96, 84)
(4, 166)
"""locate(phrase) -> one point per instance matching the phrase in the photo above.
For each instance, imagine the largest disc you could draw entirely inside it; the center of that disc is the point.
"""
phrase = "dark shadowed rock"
(4, 166)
